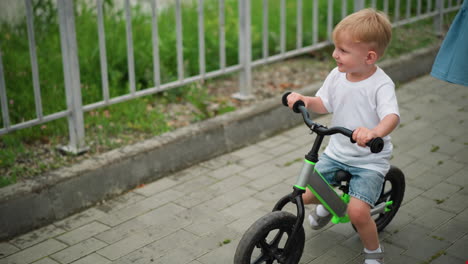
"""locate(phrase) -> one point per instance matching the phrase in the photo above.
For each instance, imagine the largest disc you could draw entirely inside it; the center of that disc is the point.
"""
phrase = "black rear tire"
(395, 192)
(267, 237)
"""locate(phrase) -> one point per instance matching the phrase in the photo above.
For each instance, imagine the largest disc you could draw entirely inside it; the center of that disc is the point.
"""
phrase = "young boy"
(362, 98)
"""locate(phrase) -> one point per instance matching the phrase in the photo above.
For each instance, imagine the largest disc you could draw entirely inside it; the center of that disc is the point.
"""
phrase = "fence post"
(245, 52)
(71, 71)
(358, 5)
(439, 18)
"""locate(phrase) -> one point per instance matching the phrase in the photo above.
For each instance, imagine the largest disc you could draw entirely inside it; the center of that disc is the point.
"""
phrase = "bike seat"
(342, 176)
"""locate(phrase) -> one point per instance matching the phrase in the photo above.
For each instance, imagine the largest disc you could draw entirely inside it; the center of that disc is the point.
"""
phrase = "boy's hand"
(294, 97)
(362, 135)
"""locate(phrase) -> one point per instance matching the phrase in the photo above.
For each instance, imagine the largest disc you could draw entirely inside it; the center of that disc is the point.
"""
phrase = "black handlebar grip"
(284, 99)
(296, 106)
(376, 145)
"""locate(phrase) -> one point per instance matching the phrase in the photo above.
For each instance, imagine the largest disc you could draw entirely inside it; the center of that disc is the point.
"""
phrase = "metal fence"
(74, 113)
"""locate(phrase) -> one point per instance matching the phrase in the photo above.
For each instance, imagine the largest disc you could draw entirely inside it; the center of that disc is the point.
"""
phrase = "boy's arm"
(313, 103)
(363, 135)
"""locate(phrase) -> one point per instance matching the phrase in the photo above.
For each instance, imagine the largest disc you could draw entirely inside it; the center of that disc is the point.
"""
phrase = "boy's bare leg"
(309, 198)
(359, 213)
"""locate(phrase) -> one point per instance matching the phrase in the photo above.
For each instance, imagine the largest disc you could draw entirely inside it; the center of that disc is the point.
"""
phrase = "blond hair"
(367, 26)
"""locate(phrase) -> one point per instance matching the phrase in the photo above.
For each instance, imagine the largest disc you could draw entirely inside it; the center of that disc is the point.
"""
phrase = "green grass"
(32, 151)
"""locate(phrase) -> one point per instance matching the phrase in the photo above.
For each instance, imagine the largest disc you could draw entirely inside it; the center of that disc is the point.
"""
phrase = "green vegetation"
(29, 152)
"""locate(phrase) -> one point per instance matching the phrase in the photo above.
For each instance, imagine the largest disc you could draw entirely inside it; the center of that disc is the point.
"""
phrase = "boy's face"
(351, 57)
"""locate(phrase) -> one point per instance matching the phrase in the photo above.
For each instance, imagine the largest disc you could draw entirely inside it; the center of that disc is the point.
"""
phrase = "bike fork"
(296, 198)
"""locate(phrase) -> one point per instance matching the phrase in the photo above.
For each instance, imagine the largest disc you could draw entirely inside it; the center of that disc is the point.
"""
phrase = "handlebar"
(376, 145)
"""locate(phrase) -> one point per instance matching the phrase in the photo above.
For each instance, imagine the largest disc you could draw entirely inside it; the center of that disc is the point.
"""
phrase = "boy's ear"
(372, 57)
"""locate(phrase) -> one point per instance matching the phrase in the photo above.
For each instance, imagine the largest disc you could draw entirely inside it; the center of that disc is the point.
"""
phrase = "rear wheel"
(393, 190)
(264, 241)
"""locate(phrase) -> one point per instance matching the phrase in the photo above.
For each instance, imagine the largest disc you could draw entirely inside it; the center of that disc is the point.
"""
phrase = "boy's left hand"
(362, 135)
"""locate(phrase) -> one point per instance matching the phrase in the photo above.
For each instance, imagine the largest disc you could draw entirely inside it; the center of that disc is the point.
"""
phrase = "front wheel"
(264, 241)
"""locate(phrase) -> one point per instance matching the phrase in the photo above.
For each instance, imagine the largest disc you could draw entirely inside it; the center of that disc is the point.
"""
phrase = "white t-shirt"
(359, 104)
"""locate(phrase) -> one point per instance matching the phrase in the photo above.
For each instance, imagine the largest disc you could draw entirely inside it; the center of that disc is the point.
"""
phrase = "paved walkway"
(197, 216)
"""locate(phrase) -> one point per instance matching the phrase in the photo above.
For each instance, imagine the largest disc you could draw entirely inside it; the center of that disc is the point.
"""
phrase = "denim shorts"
(365, 185)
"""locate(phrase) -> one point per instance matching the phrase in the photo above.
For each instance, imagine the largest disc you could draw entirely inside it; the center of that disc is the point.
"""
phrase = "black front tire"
(267, 237)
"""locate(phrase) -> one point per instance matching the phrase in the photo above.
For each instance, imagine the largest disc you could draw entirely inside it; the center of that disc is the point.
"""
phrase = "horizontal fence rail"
(405, 12)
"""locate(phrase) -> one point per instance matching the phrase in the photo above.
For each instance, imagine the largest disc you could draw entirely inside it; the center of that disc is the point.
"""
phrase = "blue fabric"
(365, 185)
(451, 63)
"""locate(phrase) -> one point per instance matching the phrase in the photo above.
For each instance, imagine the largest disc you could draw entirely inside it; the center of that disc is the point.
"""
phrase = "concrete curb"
(38, 202)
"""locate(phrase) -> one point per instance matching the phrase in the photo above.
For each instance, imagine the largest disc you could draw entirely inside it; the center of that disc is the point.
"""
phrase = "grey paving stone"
(426, 181)
(459, 248)
(230, 197)
(7, 249)
(274, 193)
(121, 231)
(411, 192)
(401, 160)
(195, 184)
(228, 170)
(409, 235)
(176, 239)
(283, 148)
(222, 254)
(180, 256)
(451, 231)
(459, 178)
(80, 219)
(273, 142)
(161, 247)
(255, 160)
(140, 207)
(456, 203)
(119, 202)
(220, 161)
(78, 251)
(433, 218)
(126, 245)
(426, 249)
(247, 152)
(243, 208)
(441, 191)
(203, 221)
(92, 259)
(461, 155)
(82, 233)
(336, 255)
(267, 181)
(417, 206)
(400, 259)
(318, 245)
(37, 236)
(447, 259)
(194, 198)
(156, 187)
(35, 252)
(258, 171)
(228, 184)
(47, 261)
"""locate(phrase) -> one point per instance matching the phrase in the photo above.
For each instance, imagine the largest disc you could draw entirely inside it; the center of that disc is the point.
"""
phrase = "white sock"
(372, 261)
(312, 221)
(321, 210)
